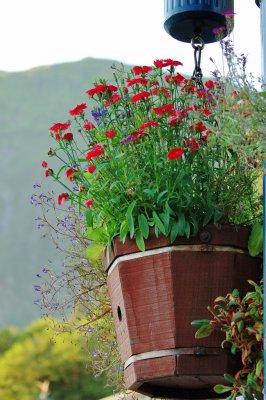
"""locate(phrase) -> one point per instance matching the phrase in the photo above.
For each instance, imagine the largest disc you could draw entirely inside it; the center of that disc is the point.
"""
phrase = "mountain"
(30, 102)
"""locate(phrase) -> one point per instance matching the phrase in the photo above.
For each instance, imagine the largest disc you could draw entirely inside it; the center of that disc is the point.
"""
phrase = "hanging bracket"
(198, 45)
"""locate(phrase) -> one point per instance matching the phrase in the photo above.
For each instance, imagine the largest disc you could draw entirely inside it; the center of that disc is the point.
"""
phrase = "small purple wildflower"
(89, 329)
(45, 270)
(97, 115)
(218, 30)
(38, 275)
(228, 13)
(36, 185)
(130, 138)
(37, 288)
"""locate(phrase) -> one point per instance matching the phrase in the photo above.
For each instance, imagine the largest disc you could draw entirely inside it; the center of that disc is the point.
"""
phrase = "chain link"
(198, 45)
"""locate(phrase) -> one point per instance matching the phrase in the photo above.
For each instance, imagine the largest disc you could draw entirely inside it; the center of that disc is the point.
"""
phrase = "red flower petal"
(175, 153)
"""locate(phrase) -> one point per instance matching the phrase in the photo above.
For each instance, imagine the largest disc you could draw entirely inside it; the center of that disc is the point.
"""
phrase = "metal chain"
(197, 73)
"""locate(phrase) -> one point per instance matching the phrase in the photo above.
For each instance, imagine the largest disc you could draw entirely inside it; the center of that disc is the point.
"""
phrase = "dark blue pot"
(185, 19)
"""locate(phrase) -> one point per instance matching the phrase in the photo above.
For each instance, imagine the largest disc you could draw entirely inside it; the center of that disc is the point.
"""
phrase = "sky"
(45, 32)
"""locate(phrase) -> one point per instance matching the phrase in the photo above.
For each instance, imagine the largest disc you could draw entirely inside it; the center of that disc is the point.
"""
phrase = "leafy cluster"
(160, 154)
(31, 363)
(241, 321)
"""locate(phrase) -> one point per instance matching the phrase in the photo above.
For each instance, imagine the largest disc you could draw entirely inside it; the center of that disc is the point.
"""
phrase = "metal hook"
(199, 45)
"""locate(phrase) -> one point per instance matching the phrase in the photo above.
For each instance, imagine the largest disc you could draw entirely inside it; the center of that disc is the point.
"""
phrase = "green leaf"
(161, 195)
(199, 322)
(222, 389)
(158, 222)
(181, 224)
(143, 225)
(203, 331)
(129, 218)
(124, 229)
(259, 367)
(140, 240)
(98, 235)
(187, 229)
(165, 217)
(94, 251)
(174, 231)
(89, 218)
(255, 242)
(208, 216)
(230, 378)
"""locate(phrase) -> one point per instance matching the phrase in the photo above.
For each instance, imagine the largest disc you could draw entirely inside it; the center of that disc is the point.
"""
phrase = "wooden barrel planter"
(157, 293)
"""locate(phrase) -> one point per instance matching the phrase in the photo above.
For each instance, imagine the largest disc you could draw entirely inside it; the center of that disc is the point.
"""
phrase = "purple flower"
(228, 13)
(130, 138)
(218, 30)
(97, 115)
(37, 288)
(89, 329)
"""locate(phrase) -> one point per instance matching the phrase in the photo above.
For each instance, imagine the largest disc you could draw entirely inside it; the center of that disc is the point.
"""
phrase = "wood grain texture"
(155, 298)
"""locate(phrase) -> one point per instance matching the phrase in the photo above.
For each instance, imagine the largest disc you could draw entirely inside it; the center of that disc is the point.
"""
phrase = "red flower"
(147, 124)
(95, 152)
(166, 63)
(58, 126)
(206, 111)
(44, 164)
(89, 203)
(177, 79)
(110, 134)
(62, 198)
(140, 96)
(210, 84)
(191, 144)
(161, 90)
(165, 109)
(91, 168)
(136, 81)
(176, 117)
(189, 86)
(68, 136)
(201, 93)
(79, 109)
(141, 70)
(70, 174)
(99, 89)
(48, 172)
(175, 153)
(114, 99)
(88, 125)
(57, 136)
(198, 127)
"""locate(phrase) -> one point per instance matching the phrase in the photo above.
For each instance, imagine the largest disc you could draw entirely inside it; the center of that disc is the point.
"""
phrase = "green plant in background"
(241, 321)
(160, 155)
(35, 358)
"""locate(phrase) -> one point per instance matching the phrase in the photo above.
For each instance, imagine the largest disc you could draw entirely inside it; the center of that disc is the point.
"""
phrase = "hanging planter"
(163, 157)
(157, 293)
(186, 19)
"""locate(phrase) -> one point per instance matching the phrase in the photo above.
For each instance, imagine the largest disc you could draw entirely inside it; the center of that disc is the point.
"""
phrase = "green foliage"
(35, 358)
(8, 336)
(241, 321)
(165, 156)
(255, 243)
